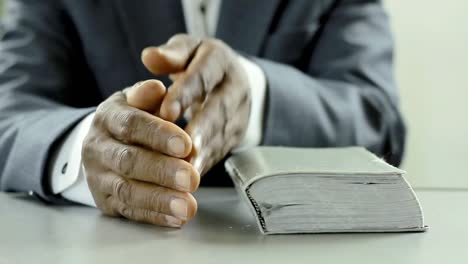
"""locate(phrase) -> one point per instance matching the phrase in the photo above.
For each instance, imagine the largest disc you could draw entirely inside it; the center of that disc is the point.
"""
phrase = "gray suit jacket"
(328, 65)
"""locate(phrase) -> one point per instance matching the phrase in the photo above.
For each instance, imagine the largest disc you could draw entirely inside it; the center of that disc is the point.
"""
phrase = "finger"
(215, 150)
(208, 121)
(203, 157)
(131, 125)
(146, 95)
(142, 215)
(175, 76)
(207, 155)
(150, 197)
(195, 107)
(191, 110)
(204, 73)
(171, 57)
(99, 197)
(133, 162)
(215, 114)
(217, 127)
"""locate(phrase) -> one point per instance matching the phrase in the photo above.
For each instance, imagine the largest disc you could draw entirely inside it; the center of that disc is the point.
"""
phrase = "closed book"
(323, 190)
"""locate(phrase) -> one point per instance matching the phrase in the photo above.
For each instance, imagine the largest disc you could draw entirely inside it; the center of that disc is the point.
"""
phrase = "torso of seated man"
(106, 29)
(327, 67)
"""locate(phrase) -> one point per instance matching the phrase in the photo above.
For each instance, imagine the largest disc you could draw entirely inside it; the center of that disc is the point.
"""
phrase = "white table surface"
(223, 231)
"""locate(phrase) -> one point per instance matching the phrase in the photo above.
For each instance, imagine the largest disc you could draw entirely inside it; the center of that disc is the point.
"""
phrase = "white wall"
(432, 72)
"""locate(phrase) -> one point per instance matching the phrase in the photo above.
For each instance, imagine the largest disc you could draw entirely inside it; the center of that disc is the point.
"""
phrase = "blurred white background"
(432, 73)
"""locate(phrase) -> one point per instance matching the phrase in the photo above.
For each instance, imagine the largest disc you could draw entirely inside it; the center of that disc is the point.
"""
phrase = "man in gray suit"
(269, 72)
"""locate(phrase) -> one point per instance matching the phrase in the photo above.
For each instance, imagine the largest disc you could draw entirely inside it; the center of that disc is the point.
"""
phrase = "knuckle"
(155, 199)
(107, 107)
(153, 132)
(195, 91)
(101, 110)
(203, 82)
(215, 43)
(178, 37)
(219, 49)
(99, 118)
(125, 159)
(246, 97)
(147, 216)
(122, 190)
(225, 105)
(106, 210)
(127, 211)
(161, 171)
(127, 122)
(146, 173)
(107, 206)
(88, 148)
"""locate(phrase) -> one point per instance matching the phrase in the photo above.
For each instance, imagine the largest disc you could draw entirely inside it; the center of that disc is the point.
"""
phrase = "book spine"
(244, 192)
(258, 212)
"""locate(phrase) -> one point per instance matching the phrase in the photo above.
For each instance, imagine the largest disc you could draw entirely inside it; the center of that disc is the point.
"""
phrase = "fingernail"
(182, 179)
(176, 146)
(179, 208)
(172, 221)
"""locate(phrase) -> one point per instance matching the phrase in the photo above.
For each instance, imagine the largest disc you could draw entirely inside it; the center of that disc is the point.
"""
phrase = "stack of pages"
(300, 190)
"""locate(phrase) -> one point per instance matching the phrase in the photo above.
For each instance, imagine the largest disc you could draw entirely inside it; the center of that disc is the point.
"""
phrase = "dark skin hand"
(210, 88)
(134, 160)
(143, 167)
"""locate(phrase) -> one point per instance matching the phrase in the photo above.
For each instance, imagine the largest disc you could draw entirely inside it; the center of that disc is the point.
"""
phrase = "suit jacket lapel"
(243, 24)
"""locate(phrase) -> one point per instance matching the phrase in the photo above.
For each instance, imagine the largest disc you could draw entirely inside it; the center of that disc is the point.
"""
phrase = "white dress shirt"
(68, 177)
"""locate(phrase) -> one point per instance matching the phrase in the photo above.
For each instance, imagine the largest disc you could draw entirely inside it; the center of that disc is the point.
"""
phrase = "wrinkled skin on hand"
(139, 164)
(210, 87)
(134, 160)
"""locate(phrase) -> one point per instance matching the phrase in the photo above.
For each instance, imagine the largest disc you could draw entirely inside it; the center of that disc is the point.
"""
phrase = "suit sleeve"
(41, 94)
(345, 94)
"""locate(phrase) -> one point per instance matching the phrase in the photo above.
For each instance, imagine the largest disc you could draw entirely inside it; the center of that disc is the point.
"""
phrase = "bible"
(324, 190)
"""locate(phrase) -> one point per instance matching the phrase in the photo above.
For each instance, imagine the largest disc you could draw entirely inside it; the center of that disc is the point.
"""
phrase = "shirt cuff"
(67, 174)
(258, 86)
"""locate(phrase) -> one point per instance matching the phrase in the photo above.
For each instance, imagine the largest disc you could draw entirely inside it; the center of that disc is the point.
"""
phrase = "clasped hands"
(138, 163)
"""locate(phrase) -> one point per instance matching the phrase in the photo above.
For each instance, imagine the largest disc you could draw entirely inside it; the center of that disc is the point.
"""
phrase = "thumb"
(146, 95)
(171, 57)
